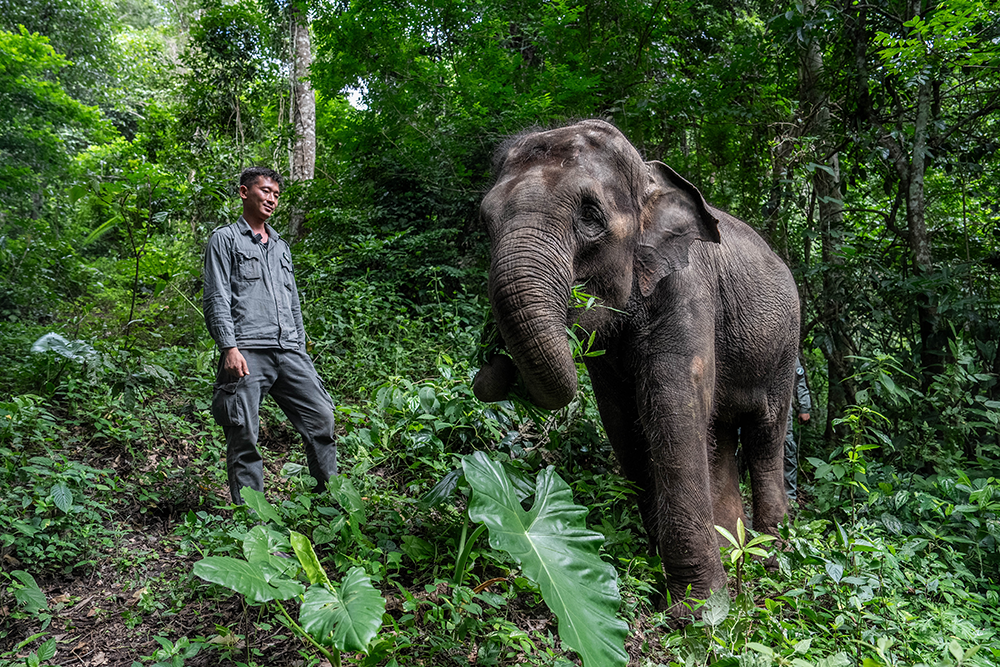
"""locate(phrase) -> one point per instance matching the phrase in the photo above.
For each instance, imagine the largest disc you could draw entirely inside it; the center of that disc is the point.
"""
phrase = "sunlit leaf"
(307, 558)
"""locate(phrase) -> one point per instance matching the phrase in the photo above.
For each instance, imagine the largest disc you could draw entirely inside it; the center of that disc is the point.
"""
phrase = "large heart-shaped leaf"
(347, 617)
(260, 543)
(257, 582)
(557, 552)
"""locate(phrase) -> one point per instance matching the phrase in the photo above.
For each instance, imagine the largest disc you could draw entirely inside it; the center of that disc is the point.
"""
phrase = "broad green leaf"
(252, 580)
(47, 650)
(348, 616)
(307, 558)
(835, 570)
(442, 491)
(348, 497)
(892, 524)
(842, 538)
(256, 501)
(557, 552)
(31, 596)
(729, 536)
(763, 538)
(760, 648)
(836, 660)
(328, 533)
(956, 650)
(716, 608)
(62, 497)
(260, 543)
(77, 192)
(428, 400)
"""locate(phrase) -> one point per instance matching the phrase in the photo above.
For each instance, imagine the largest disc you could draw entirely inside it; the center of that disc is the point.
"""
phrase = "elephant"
(698, 320)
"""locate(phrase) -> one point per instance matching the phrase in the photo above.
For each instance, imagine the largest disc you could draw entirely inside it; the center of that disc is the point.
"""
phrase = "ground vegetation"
(860, 139)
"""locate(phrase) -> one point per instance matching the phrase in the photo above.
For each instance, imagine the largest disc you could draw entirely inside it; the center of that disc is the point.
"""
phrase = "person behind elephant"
(697, 317)
(252, 312)
(804, 401)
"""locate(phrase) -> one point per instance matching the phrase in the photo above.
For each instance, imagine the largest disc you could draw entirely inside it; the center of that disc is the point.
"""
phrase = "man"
(253, 314)
(804, 401)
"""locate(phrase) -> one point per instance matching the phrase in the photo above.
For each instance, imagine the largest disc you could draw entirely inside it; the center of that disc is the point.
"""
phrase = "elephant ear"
(674, 215)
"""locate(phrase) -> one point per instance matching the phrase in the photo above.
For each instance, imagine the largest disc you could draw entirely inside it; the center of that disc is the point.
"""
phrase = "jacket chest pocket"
(248, 266)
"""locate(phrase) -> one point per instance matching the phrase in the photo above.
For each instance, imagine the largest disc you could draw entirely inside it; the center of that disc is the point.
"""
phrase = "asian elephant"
(698, 318)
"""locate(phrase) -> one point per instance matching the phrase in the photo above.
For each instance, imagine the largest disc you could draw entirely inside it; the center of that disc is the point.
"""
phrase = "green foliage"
(892, 557)
(43, 126)
(173, 654)
(555, 549)
(53, 511)
(743, 548)
(344, 616)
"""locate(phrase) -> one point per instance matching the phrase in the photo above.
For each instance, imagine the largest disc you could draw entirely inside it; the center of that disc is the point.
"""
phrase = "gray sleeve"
(216, 299)
(802, 390)
(297, 309)
(297, 305)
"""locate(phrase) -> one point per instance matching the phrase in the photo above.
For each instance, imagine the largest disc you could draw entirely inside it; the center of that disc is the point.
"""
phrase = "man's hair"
(251, 174)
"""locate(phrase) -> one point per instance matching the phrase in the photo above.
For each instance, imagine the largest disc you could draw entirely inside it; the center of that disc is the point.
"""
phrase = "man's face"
(260, 198)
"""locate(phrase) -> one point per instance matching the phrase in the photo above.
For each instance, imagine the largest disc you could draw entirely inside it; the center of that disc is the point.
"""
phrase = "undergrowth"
(883, 565)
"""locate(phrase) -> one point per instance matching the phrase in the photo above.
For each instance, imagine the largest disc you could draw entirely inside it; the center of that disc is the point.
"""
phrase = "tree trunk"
(303, 160)
(836, 344)
(933, 345)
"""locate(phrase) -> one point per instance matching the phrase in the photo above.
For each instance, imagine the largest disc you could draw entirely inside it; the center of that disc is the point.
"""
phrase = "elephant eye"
(591, 221)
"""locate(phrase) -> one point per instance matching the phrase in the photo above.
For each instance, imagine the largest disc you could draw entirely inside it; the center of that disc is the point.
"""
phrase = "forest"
(859, 138)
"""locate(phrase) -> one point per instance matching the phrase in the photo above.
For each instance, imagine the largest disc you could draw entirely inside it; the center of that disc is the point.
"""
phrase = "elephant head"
(577, 206)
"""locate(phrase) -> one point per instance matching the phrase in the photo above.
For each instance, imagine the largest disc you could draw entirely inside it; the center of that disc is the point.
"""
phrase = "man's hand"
(804, 417)
(234, 364)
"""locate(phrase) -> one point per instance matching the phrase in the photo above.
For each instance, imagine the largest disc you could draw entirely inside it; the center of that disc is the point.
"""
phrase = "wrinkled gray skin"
(704, 343)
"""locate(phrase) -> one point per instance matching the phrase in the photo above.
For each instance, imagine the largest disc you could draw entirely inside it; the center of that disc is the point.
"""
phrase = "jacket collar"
(244, 228)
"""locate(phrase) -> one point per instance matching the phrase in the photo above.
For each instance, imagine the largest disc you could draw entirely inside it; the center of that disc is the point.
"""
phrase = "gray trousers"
(791, 460)
(291, 379)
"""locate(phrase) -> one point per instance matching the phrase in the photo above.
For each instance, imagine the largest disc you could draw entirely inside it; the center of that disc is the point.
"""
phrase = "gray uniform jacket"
(802, 396)
(250, 297)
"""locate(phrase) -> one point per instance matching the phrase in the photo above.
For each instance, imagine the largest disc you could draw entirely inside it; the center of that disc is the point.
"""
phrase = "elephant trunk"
(529, 291)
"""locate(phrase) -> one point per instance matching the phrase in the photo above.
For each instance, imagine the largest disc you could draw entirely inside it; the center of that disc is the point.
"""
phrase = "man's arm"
(297, 310)
(217, 303)
(217, 295)
(802, 394)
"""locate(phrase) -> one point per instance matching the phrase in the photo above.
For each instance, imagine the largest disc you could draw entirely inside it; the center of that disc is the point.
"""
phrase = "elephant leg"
(676, 404)
(620, 416)
(764, 442)
(726, 499)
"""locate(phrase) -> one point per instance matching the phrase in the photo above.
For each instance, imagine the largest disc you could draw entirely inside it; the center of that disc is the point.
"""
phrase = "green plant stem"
(185, 297)
(332, 655)
(466, 547)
